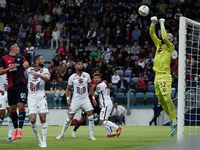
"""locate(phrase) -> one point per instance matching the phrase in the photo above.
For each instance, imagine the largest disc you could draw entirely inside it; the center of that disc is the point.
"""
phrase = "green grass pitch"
(132, 137)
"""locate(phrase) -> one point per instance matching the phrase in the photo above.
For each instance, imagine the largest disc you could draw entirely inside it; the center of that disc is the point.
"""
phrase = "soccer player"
(97, 109)
(4, 105)
(37, 103)
(15, 65)
(106, 106)
(80, 81)
(163, 79)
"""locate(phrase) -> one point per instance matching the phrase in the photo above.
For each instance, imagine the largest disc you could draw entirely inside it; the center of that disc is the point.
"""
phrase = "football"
(143, 10)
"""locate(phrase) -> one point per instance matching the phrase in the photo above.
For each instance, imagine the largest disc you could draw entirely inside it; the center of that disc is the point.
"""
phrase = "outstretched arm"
(163, 32)
(152, 30)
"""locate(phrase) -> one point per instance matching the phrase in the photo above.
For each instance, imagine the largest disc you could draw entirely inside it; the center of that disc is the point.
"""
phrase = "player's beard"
(80, 69)
(41, 65)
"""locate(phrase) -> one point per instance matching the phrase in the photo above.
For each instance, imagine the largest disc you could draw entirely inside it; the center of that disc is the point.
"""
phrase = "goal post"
(181, 78)
(188, 94)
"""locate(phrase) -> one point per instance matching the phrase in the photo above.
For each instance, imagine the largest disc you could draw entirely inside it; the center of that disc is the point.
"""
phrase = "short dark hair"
(10, 45)
(96, 69)
(36, 58)
(78, 61)
(97, 75)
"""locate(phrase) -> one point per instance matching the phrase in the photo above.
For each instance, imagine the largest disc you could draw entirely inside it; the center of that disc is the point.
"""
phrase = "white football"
(143, 10)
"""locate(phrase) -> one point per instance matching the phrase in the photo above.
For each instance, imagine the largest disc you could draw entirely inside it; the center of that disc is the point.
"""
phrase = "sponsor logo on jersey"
(9, 61)
(18, 59)
(84, 76)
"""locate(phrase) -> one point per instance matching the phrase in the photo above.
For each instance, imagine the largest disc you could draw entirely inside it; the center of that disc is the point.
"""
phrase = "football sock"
(35, 129)
(77, 125)
(110, 124)
(10, 128)
(91, 124)
(14, 119)
(65, 126)
(21, 117)
(107, 128)
(44, 131)
(1, 121)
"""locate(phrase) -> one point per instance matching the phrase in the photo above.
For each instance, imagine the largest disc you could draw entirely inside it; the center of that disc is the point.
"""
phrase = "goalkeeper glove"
(154, 21)
(162, 22)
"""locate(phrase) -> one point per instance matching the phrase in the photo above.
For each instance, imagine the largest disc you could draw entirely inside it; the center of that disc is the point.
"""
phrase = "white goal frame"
(183, 22)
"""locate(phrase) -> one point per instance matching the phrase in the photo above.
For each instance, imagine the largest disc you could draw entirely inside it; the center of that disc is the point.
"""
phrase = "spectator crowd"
(110, 35)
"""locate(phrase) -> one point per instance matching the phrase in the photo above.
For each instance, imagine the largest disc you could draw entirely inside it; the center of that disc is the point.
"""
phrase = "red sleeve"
(24, 59)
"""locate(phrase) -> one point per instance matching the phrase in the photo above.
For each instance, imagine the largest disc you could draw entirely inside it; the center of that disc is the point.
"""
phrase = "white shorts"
(3, 104)
(37, 106)
(76, 104)
(105, 112)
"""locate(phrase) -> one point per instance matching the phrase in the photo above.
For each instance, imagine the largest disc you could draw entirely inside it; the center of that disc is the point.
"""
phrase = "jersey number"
(163, 84)
(23, 95)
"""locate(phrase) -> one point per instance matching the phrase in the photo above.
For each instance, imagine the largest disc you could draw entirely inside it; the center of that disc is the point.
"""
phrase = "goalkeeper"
(163, 79)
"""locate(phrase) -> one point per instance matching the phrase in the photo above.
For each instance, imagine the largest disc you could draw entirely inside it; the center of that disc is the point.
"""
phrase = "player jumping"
(15, 66)
(163, 79)
(4, 105)
(80, 81)
(37, 103)
(106, 106)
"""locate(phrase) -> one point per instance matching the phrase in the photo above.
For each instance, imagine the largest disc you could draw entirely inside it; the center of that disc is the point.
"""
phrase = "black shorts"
(97, 110)
(17, 94)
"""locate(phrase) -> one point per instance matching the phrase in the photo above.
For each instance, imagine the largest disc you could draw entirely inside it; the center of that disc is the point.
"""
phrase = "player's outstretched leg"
(65, 126)
(91, 126)
(35, 130)
(172, 112)
(110, 124)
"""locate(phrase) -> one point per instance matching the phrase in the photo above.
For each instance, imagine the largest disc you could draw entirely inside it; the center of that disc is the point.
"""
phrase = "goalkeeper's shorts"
(163, 84)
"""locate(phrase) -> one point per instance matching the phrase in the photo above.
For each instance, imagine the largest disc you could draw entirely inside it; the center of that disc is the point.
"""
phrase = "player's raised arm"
(45, 77)
(152, 30)
(164, 33)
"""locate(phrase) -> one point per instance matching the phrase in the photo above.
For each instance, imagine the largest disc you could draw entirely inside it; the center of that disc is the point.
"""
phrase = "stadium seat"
(74, 39)
(132, 98)
(136, 57)
(139, 97)
(173, 94)
(127, 79)
(151, 88)
(94, 12)
(120, 98)
(123, 4)
(50, 96)
(114, 4)
(114, 87)
(131, 4)
(135, 79)
(150, 97)
(120, 72)
(105, 4)
(128, 73)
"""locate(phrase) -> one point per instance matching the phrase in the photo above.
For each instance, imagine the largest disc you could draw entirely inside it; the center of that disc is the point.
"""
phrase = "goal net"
(188, 79)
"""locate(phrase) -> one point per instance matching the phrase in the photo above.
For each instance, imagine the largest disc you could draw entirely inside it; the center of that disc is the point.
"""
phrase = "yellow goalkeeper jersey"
(164, 52)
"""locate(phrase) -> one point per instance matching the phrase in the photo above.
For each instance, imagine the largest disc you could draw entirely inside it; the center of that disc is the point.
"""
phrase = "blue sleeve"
(2, 64)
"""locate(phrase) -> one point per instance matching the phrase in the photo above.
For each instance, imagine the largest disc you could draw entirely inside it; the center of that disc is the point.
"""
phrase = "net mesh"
(192, 81)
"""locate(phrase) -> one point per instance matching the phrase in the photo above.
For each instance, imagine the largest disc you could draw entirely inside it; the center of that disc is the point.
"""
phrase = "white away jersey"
(104, 94)
(36, 86)
(80, 84)
(3, 86)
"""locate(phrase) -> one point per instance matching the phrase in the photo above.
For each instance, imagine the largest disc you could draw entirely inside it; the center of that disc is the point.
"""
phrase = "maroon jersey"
(15, 76)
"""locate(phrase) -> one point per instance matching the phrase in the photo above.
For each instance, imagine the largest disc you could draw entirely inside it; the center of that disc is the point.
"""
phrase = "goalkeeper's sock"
(77, 125)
